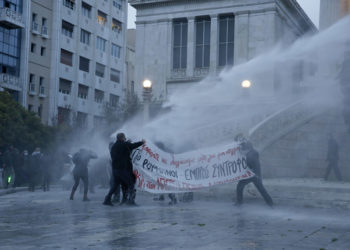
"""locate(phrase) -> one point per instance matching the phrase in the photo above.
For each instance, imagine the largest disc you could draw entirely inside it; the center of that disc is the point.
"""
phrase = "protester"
(45, 169)
(253, 162)
(116, 195)
(81, 160)
(8, 172)
(123, 170)
(35, 169)
(332, 158)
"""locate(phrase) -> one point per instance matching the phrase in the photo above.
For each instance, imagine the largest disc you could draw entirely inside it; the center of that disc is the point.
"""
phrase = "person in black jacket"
(81, 160)
(332, 158)
(123, 170)
(253, 162)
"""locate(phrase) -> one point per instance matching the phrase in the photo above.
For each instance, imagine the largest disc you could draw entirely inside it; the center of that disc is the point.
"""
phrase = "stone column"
(214, 39)
(190, 47)
(241, 38)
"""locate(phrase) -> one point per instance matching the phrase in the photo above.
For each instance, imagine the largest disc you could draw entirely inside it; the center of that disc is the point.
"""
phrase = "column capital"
(214, 16)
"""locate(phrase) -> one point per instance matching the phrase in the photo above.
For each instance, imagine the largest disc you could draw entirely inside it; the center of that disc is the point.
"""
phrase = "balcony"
(178, 73)
(10, 82)
(35, 28)
(11, 19)
(44, 32)
(31, 90)
(201, 72)
(42, 92)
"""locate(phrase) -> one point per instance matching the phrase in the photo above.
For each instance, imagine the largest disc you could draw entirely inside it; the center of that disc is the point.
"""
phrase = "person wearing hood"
(81, 160)
(253, 163)
(123, 169)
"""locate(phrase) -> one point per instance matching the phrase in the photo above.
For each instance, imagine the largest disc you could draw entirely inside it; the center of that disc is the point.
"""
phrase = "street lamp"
(147, 95)
(246, 84)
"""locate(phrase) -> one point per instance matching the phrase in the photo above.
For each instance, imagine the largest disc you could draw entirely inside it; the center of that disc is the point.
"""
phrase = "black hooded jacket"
(120, 154)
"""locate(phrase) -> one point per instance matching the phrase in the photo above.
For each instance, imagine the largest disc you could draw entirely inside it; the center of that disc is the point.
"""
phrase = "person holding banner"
(123, 169)
(253, 162)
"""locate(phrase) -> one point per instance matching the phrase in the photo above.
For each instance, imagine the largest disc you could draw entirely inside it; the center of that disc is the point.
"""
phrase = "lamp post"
(147, 95)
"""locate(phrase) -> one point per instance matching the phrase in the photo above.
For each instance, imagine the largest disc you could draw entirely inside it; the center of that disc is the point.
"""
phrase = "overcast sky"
(311, 7)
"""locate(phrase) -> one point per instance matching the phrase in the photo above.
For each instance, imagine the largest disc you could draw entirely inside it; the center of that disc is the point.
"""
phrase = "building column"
(241, 39)
(213, 44)
(190, 47)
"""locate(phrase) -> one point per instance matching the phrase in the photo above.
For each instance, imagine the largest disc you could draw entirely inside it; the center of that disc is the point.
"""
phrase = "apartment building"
(87, 60)
(14, 37)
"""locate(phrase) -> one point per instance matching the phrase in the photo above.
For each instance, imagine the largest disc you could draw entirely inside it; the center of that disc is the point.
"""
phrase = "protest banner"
(157, 171)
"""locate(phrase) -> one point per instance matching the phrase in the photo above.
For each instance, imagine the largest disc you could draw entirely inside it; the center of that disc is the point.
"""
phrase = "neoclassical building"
(181, 42)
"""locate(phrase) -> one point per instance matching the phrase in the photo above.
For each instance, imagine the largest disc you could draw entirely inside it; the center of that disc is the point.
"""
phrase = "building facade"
(130, 62)
(39, 64)
(14, 40)
(182, 42)
(87, 60)
(333, 10)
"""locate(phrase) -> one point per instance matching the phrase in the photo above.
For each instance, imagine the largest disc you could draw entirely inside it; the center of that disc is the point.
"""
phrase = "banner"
(161, 172)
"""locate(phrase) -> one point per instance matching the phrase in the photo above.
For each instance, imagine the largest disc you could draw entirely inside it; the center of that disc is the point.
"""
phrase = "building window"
(116, 25)
(101, 18)
(180, 44)
(226, 40)
(85, 37)
(43, 21)
(117, 4)
(202, 42)
(65, 86)
(83, 91)
(115, 50)
(100, 70)
(115, 75)
(86, 9)
(67, 29)
(43, 51)
(101, 44)
(33, 47)
(81, 120)
(41, 86)
(69, 4)
(30, 107)
(113, 100)
(31, 83)
(66, 57)
(34, 23)
(84, 64)
(40, 110)
(99, 95)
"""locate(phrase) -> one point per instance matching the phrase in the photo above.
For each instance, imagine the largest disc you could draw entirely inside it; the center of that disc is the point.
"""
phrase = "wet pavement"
(50, 221)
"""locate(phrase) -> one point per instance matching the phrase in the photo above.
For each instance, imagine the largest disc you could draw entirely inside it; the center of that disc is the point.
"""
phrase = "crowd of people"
(25, 168)
(36, 169)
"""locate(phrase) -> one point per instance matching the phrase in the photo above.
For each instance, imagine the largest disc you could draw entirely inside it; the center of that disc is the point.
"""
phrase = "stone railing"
(178, 73)
(201, 72)
(9, 81)
(282, 122)
(12, 17)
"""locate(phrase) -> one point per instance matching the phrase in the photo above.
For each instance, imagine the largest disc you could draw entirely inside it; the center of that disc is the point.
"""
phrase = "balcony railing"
(10, 82)
(11, 18)
(201, 72)
(44, 32)
(178, 73)
(35, 28)
(42, 92)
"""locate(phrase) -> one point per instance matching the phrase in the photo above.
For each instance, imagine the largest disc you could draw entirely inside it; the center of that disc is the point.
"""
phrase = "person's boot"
(107, 202)
(132, 196)
(116, 198)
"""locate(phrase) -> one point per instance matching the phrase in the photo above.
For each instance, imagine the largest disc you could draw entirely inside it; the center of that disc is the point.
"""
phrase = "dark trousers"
(258, 184)
(85, 179)
(116, 196)
(127, 182)
(334, 166)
